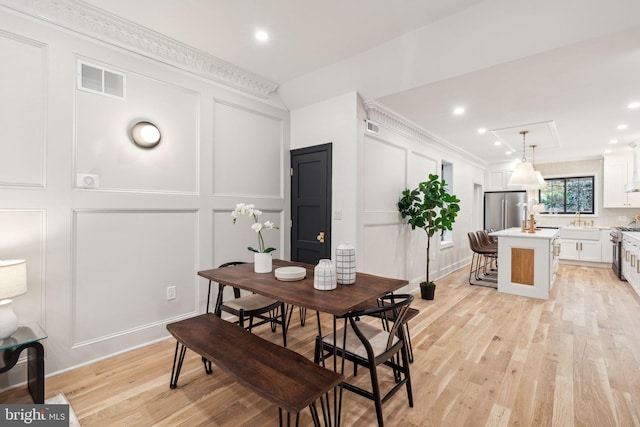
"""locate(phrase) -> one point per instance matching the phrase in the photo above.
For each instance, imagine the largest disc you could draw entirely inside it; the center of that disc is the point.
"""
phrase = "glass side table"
(27, 336)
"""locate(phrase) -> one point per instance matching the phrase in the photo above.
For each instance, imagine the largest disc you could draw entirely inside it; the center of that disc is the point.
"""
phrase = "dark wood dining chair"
(367, 344)
(251, 307)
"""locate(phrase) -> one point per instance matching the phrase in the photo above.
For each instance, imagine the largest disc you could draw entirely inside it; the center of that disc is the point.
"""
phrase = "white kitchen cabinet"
(498, 180)
(580, 250)
(606, 247)
(631, 262)
(618, 171)
(585, 244)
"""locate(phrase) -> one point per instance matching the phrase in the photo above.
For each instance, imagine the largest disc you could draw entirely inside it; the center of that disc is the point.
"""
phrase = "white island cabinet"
(527, 262)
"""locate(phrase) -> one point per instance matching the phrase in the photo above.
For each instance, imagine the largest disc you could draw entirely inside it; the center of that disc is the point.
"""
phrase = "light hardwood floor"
(481, 359)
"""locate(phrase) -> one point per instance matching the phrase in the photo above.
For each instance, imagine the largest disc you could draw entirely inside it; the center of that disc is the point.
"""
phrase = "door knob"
(320, 237)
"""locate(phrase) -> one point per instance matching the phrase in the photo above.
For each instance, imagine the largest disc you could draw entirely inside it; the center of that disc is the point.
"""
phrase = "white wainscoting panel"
(384, 251)
(104, 146)
(23, 237)
(420, 166)
(230, 241)
(417, 254)
(124, 261)
(384, 174)
(248, 151)
(22, 108)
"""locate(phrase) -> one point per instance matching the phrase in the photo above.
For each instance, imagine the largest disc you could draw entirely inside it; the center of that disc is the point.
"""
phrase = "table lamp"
(13, 282)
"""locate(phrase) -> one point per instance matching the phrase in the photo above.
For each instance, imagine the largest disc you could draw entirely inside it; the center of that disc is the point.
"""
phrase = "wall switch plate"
(171, 293)
(85, 180)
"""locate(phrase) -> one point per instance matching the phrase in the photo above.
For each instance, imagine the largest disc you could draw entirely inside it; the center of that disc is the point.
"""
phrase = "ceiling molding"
(382, 115)
(88, 20)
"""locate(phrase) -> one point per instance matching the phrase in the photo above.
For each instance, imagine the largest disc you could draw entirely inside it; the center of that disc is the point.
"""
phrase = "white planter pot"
(262, 262)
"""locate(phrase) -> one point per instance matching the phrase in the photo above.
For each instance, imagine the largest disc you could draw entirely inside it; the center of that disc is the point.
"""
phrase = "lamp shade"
(541, 182)
(524, 176)
(13, 278)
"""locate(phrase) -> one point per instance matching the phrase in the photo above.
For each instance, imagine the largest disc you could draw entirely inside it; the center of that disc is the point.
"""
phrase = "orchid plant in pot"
(262, 255)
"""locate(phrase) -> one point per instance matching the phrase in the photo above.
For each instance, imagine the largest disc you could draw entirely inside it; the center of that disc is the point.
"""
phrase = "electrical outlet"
(622, 218)
(171, 293)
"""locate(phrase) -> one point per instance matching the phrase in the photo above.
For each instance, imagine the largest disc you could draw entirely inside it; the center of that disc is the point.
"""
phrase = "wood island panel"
(522, 266)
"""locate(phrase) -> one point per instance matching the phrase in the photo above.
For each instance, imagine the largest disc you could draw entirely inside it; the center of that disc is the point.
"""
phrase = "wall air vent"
(372, 127)
(96, 79)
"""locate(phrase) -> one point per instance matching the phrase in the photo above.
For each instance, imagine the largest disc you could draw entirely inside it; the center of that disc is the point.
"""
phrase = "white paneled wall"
(156, 248)
(104, 147)
(389, 168)
(392, 162)
(22, 161)
(23, 234)
(248, 152)
(100, 260)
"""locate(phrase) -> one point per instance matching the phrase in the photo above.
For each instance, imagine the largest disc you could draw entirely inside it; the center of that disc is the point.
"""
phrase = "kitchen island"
(527, 262)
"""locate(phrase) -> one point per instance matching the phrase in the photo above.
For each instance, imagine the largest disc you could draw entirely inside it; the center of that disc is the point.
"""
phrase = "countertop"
(632, 234)
(543, 233)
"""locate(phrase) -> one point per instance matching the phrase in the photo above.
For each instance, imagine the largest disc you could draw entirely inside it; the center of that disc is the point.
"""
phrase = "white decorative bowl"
(290, 274)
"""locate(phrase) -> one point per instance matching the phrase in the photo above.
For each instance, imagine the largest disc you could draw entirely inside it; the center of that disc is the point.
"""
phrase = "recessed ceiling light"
(482, 130)
(496, 143)
(613, 141)
(607, 151)
(262, 36)
(633, 105)
(508, 153)
(622, 127)
(458, 111)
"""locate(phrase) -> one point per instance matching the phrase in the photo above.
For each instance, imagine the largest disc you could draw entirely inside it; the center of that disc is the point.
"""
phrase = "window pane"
(579, 195)
(553, 196)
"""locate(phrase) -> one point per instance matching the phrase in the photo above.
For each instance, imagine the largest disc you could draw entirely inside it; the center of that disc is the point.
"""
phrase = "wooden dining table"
(337, 302)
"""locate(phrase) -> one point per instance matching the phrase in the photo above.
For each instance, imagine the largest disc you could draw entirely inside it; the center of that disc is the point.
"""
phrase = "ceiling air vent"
(96, 79)
(372, 127)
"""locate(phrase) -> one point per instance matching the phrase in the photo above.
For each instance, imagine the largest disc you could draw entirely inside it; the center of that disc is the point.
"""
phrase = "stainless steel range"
(616, 240)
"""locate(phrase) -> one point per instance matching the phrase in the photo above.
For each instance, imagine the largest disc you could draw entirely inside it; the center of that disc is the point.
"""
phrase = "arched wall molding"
(88, 20)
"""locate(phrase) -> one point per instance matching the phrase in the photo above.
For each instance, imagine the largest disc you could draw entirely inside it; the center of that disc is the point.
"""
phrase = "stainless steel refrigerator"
(501, 209)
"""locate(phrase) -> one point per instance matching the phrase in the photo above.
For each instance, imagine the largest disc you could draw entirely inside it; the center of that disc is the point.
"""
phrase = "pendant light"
(541, 181)
(524, 175)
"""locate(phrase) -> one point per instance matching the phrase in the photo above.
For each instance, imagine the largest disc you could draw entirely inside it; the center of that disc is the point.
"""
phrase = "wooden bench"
(275, 373)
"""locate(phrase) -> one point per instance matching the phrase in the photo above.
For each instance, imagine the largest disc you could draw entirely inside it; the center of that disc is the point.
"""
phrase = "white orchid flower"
(251, 211)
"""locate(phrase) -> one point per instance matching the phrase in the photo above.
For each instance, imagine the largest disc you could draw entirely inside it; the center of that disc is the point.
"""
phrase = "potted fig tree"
(431, 208)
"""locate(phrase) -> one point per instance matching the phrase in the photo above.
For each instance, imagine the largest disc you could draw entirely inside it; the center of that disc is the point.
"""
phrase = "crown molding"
(83, 18)
(386, 117)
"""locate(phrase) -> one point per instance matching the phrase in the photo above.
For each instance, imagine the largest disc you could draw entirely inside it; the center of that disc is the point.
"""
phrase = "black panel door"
(311, 204)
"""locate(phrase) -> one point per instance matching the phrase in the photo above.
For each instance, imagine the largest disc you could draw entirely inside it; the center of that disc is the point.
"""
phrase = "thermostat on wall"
(84, 180)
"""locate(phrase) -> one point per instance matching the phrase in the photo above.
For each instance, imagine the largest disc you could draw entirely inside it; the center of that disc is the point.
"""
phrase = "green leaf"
(268, 250)
(253, 250)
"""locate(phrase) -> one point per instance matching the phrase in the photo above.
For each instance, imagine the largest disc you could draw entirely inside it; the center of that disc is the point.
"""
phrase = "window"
(568, 195)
